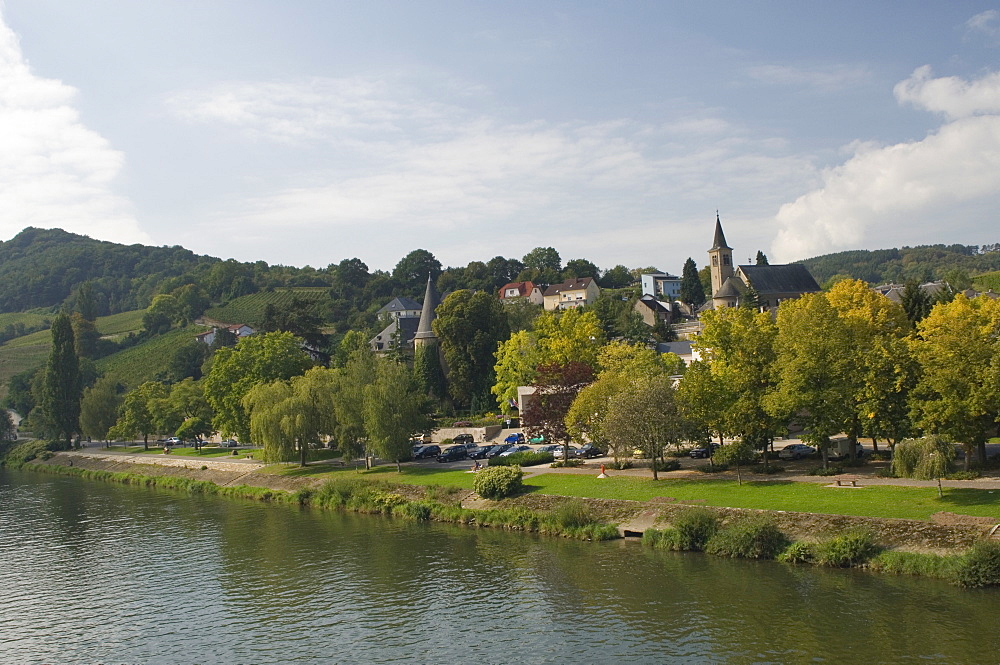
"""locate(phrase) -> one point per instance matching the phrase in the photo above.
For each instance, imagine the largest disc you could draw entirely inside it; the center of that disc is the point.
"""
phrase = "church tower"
(720, 259)
(425, 333)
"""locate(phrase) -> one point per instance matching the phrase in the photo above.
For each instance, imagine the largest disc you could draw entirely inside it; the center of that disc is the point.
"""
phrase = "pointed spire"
(720, 237)
(431, 301)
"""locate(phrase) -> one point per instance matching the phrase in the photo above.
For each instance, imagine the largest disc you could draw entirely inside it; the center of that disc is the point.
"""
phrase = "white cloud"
(904, 194)
(985, 23)
(53, 170)
(951, 95)
(410, 172)
(831, 78)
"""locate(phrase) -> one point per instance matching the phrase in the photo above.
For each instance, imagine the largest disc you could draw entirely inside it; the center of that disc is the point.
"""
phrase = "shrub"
(769, 469)
(695, 527)
(980, 566)
(572, 515)
(497, 482)
(666, 465)
(26, 451)
(963, 475)
(912, 563)
(750, 539)
(526, 458)
(415, 510)
(927, 458)
(665, 539)
(884, 472)
(568, 462)
(833, 470)
(850, 549)
(797, 552)
(622, 464)
(712, 468)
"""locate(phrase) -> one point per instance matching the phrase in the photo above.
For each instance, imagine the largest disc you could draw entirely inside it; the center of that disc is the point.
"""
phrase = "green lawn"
(411, 475)
(158, 450)
(872, 501)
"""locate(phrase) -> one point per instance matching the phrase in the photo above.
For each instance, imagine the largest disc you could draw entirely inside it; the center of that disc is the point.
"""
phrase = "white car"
(174, 441)
(796, 451)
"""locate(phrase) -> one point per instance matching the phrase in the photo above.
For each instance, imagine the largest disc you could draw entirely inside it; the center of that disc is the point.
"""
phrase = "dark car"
(496, 450)
(453, 454)
(704, 451)
(423, 452)
(478, 452)
(464, 438)
(515, 439)
(590, 450)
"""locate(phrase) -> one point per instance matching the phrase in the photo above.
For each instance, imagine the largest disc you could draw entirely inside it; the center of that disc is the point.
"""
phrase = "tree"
(413, 269)
(86, 301)
(8, 431)
(761, 258)
(192, 301)
(299, 318)
(349, 386)
(256, 359)
(19, 397)
(644, 416)
(187, 361)
(692, 291)
(556, 385)
(394, 410)
(99, 409)
(957, 395)
(579, 268)
(188, 405)
(928, 458)
(85, 336)
(223, 338)
(469, 327)
(136, 416)
(915, 301)
(618, 277)
(542, 259)
(429, 373)
(287, 417)
(61, 387)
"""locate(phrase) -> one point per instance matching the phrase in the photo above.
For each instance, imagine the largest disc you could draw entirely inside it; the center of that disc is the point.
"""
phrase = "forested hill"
(924, 263)
(42, 267)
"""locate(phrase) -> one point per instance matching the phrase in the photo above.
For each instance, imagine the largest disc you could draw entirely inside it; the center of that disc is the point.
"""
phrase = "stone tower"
(720, 259)
(425, 333)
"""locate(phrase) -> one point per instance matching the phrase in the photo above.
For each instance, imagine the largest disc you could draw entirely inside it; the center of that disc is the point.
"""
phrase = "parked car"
(795, 451)
(515, 438)
(229, 443)
(478, 452)
(453, 454)
(515, 449)
(464, 438)
(589, 450)
(537, 439)
(496, 450)
(548, 448)
(425, 451)
(842, 453)
(561, 450)
(704, 451)
(174, 441)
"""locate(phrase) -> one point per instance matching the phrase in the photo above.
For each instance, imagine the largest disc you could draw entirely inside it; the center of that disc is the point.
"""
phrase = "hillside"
(42, 267)
(924, 263)
(249, 309)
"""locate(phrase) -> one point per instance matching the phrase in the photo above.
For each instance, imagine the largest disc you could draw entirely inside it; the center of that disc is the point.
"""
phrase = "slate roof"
(399, 305)
(720, 237)
(654, 304)
(680, 347)
(733, 287)
(576, 284)
(431, 301)
(791, 278)
(407, 327)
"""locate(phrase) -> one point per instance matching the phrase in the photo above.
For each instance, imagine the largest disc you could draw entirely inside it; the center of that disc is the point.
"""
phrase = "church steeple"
(720, 258)
(425, 333)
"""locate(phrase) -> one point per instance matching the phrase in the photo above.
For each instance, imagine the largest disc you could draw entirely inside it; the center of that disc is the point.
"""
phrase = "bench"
(844, 480)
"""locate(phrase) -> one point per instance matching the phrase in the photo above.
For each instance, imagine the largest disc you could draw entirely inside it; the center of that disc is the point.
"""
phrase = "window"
(725, 259)
(715, 260)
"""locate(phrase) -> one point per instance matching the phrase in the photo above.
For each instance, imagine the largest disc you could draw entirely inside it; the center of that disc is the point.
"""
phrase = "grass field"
(873, 501)
(33, 318)
(250, 309)
(988, 280)
(145, 361)
(120, 324)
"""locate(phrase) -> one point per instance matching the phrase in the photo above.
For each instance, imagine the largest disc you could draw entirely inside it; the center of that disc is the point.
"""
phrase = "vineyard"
(250, 309)
(986, 281)
(146, 361)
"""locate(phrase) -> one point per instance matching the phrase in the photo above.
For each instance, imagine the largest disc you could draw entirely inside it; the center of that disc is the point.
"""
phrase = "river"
(101, 573)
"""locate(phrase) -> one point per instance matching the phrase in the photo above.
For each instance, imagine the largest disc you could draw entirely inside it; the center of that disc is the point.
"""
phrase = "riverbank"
(901, 545)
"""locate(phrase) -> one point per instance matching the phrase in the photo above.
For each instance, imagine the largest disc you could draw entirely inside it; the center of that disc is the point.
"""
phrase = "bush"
(526, 458)
(797, 552)
(497, 482)
(769, 469)
(750, 539)
(963, 475)
(568, 462)
(666, 465)
(980, 566)
(665, 539)
(622, 464)
(712, 468)
(850, 549)
(695, 527)
(884, 472)
(833, 470)
(573, 514)
(27, 451)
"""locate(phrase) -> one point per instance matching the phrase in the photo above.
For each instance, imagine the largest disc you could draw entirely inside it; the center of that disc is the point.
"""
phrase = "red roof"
(523, 289)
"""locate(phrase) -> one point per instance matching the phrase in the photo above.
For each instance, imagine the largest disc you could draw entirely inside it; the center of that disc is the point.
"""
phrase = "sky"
(305, 132)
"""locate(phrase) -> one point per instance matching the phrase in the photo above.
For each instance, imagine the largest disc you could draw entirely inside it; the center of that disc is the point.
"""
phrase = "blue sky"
(307, 132)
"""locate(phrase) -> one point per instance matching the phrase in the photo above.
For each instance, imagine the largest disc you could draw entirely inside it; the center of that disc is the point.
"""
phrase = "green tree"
(543, 258)
(928, 458)
(256, 359)
(958, 393)
(429, 373)
(761, 258)
(61, 386)
(469, 327)
(556, 387)
(300, 317)
(692, 291)
(85, 336)
(8, 431)
(192, 301)
(618, 277)
(19, 397)
(136, 416)
(412, 270)
(99, 409)
(915, 301)
(579, 268)
(287, 417)
(644, 416)
(186, 361)
(349, 386)
(394, 410)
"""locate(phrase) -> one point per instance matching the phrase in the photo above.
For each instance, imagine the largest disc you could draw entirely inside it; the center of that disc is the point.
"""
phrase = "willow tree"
(394, 409)
(288, 417)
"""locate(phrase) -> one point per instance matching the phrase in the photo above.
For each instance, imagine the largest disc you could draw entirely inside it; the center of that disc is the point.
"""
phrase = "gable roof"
(575, 284)
(790, 278)
(400, 305)
(523, 288)
(654, 304)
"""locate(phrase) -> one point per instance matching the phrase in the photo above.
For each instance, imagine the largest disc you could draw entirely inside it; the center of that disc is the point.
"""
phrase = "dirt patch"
(954, 519)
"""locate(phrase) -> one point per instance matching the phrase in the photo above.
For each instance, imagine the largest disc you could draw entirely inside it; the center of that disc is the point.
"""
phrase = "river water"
(100, 573)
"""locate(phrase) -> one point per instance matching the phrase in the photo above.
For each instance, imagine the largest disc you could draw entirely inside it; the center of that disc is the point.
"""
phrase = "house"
(527, 290)
(399, 308)
(770, 285)
(575, 292)
(399, 332)
(653, 310)
(240, 330)
(683, 349)
(661, 284)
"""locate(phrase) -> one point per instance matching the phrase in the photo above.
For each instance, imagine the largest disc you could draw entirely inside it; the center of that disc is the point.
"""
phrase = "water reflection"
(100, 572)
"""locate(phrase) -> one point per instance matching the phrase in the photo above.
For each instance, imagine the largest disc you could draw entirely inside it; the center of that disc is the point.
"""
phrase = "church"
(764, 286)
